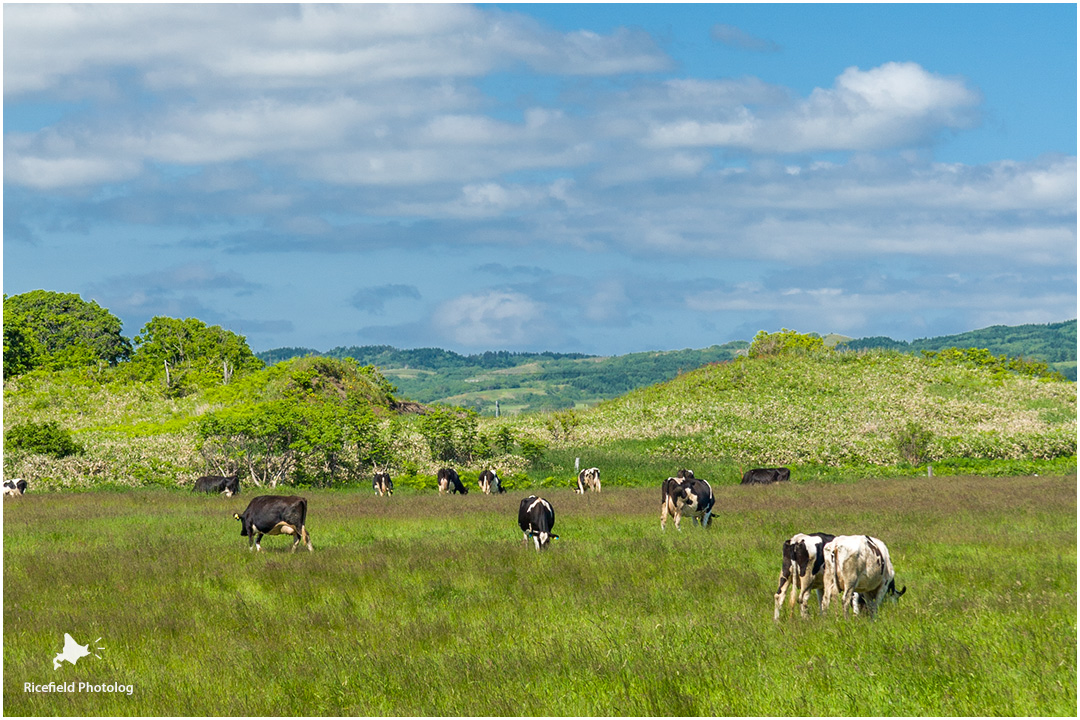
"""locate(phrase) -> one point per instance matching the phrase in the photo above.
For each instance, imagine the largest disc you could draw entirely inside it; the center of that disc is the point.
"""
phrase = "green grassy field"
(427, 605)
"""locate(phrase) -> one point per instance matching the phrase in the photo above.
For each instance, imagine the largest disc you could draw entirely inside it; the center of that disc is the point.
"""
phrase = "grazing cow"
(489, 482)
(802, 570)
(686, 491)
(450, 482)
(14, 488)
(224, 485)
(536, 517)
(588, 480)
(765, 476)
(858, 564)
(275, 515)
(382, 484)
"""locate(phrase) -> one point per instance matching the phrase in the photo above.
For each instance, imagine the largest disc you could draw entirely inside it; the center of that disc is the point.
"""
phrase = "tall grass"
(427, 605)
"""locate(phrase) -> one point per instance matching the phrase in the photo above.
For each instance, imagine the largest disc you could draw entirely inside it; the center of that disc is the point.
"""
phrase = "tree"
(19, 348)
(187, 353)
(61, 330)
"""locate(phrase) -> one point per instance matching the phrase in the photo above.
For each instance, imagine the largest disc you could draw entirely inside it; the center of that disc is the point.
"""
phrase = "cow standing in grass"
(382, 484)
(588, 479)
(802, 570)
(857, 567)
(686, 492)
(274, 515)
(536, 518)
(14, 488)
(227, 485)
(449, 482)
(489, 482)
(766, 476)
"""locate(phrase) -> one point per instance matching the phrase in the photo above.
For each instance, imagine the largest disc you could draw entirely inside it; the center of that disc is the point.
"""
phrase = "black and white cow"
(450, 482)
(686, 492)
(14, 488)
(765, 476)
(588, 479)
(227, 485)
(803, 570)
(275, 515)
(382, 484)
(536, 518)
(858, 569)
(490, 483)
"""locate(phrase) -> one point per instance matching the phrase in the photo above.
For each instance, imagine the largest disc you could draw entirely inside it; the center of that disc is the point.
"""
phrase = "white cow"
(858, 564)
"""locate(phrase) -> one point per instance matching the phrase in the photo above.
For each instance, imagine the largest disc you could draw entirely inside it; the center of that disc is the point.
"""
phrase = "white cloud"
(202, 47)
(492, 319)
(889, 106)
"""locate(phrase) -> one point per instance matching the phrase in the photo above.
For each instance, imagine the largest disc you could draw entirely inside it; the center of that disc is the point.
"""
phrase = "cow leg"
(705, 520)
(307, 538)
(846, 602)
(804, 601)
(779, 596)
(258, 542)
(663, 515)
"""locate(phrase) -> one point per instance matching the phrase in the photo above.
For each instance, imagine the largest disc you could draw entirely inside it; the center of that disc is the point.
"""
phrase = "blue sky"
(569, 177)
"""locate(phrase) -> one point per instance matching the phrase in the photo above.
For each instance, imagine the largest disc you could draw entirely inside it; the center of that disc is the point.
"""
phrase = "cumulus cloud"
(893, 105)
(495, 318)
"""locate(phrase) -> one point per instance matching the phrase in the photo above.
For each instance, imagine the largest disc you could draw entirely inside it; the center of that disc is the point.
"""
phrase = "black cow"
(275, 515)
(14, 487)
(382, 484)
(225, 485)
(536, 518)
(450, 482)
(489, 482)
(765, 476)
(686, 491)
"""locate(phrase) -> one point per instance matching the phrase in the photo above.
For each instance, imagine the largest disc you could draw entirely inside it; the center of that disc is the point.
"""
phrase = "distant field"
(427, 605)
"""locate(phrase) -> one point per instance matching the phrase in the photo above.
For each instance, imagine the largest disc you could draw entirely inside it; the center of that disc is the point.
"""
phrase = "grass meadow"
(427, 605)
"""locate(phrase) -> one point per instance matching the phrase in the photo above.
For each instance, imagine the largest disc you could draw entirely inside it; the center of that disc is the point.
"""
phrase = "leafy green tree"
(785, 342)
(46, 438)
(19, 348)
(316, 424)
(61, 330)
(451, 434)
(188, 353)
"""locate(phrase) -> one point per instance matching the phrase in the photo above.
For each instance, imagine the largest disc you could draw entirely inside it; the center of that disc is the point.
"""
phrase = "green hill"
(519, 382)
(877, 409)
(1054, 343)
(529, 382)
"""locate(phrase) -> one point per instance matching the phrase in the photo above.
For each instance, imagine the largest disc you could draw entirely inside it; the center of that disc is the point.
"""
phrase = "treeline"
(46, 330)
(1053, 343)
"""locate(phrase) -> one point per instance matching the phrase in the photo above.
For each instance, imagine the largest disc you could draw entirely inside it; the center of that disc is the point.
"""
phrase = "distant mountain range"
(518, 382)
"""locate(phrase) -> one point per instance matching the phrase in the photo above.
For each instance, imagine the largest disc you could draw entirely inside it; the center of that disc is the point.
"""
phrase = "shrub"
(785, 342)
(913, 442)
(46, 438)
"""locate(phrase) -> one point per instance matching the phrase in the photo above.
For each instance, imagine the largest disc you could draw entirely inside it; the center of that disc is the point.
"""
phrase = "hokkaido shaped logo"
(73, 652)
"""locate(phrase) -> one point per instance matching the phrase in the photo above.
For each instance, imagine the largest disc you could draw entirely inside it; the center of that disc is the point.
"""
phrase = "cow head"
(232, 485)
(243, 525)
(891, 593)
(542, 539)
